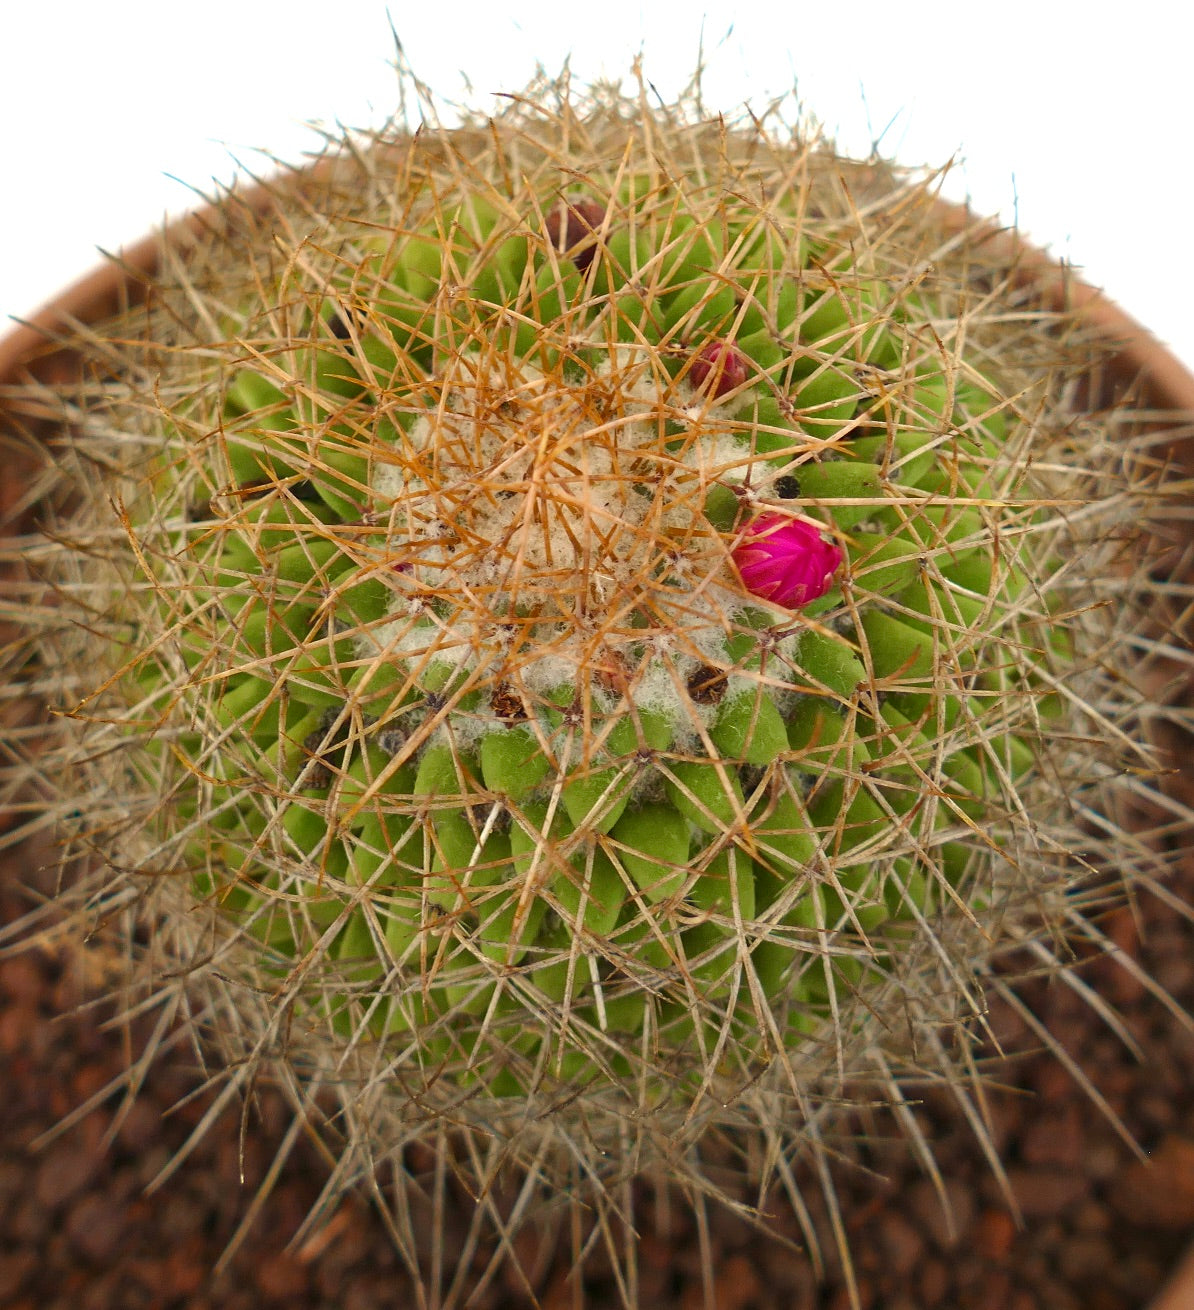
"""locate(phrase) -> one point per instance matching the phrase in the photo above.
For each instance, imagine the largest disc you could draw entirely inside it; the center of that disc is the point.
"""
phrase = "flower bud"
(719, 367)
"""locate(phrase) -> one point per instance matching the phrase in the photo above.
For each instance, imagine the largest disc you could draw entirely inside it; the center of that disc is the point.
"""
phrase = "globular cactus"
(585, 629)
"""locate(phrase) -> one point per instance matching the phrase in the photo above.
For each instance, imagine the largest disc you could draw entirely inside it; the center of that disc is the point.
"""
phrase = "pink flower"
(786, 561)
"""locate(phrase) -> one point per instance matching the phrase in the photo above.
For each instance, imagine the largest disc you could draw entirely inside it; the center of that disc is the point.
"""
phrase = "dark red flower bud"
(719, 368)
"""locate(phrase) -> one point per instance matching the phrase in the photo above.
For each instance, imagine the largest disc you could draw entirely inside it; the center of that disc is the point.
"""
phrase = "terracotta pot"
(1139, 367)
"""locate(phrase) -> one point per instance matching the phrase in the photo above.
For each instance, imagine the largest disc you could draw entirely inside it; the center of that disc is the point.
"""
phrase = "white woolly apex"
(555, 523)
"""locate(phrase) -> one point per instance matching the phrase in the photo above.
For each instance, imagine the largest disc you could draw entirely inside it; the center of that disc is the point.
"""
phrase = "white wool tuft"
(559, 533)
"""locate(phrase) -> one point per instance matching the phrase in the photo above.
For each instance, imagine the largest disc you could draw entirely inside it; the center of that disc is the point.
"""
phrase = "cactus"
(584, 631)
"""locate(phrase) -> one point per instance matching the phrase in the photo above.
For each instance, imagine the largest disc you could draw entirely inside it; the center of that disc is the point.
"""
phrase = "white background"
(1073, 118)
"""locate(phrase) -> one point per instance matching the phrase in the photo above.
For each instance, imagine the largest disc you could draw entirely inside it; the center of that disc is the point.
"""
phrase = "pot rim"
(40, 346)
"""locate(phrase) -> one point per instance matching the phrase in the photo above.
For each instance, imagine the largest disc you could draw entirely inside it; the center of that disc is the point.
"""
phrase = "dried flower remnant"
(787, 560)
(571, 229)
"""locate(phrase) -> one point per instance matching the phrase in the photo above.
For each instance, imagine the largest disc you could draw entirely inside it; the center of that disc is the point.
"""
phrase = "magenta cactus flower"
(786, 560)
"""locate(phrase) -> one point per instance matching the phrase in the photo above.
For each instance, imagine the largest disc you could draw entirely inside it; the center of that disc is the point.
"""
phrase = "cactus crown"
(601, 635)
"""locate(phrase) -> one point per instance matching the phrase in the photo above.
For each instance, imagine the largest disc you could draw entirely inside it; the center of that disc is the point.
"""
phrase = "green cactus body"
(521, 571)
(524, 520)
(470, 734)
